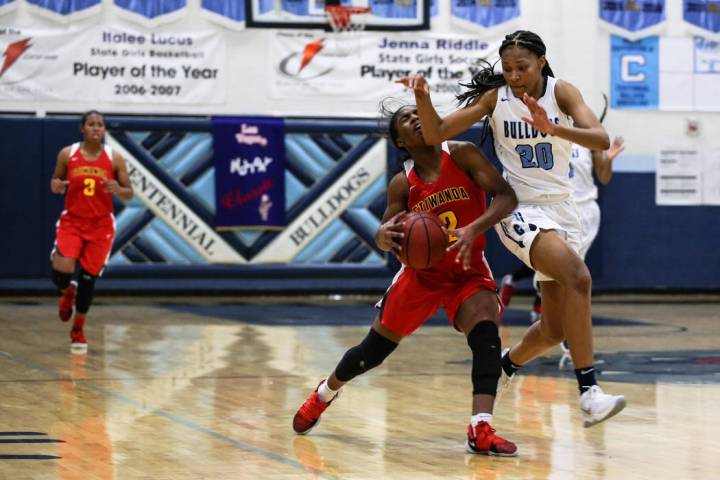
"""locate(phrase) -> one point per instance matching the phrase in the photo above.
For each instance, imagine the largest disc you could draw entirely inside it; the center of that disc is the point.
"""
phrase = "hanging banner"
(702, 17)
(665, 73)
(151, 13)
(365, 66)
(66, 11)
(481, 15)
(632, 19)
(112, 64)
(230, 14)
(634, 73)
(249, 172)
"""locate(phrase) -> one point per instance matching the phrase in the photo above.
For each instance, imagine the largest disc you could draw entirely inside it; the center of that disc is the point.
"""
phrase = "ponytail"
(484, 80)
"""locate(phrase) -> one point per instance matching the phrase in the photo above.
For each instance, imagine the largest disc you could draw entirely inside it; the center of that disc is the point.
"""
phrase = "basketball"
(424, 242)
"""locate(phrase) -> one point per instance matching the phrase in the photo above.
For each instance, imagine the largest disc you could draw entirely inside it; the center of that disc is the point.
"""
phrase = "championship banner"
(366, 66)
(632, 19)
(249, 172)
(665, 73)
(634, 73)
(111, 64)
(702, 17)
(482, 15)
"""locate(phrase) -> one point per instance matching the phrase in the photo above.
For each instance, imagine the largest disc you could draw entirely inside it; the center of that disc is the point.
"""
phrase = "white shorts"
(589, 213)
(518, 230)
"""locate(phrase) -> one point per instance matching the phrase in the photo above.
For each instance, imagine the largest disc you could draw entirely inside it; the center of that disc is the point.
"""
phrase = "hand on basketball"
(464, 243)
(58, 185)
(389, 233)
(617, 146)
(417, 83)
(111, 186)
(539, 120)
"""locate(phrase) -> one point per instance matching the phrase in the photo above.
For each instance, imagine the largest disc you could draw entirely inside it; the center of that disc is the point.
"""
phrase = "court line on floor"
(169, 416)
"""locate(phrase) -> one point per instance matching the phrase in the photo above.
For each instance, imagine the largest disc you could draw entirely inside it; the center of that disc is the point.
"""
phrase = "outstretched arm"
(486, 176)
(435, 130)
(587, 130)
(602, 161)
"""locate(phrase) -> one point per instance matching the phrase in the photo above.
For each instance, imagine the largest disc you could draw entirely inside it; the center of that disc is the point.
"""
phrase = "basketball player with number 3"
(88, 174)
(535, 119)
(451, 182)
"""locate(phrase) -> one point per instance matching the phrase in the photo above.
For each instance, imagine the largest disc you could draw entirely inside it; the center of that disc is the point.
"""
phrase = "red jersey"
(457, 200)
(86, 196)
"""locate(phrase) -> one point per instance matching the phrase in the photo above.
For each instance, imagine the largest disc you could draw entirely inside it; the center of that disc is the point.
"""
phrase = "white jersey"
(535, 164)
(581, 174)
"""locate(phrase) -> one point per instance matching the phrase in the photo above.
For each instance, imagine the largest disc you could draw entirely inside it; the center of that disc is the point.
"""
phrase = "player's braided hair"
(486, 79)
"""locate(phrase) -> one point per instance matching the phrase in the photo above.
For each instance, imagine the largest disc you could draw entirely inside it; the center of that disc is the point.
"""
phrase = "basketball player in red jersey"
(450, 181)
(89, 174)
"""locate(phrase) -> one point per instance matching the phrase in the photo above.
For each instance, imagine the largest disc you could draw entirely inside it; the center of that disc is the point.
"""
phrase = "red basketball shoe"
(66, 306)
(78, 343)
(506, 290)
(308, 415)
(483, 441)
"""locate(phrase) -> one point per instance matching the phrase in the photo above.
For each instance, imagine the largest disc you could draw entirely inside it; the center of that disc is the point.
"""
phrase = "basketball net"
(343, 18)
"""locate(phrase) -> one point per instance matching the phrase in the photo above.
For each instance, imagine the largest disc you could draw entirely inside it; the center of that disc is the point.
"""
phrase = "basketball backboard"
(385, 15)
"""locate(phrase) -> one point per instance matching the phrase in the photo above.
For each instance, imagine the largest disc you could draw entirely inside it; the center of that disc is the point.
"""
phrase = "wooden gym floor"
(207, 389)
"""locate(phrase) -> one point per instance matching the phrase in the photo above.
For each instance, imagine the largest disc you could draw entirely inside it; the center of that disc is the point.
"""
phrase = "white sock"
(326, 393)
(481, 417)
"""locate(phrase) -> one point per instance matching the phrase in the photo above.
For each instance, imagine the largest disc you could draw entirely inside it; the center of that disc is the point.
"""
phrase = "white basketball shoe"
(598, 406)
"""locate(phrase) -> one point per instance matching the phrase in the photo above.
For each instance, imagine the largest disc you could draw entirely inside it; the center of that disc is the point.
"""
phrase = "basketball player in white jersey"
(583, 163)
(535, 119)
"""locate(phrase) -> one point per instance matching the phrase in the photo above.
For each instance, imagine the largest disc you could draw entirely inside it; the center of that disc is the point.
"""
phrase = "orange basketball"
(424, 242)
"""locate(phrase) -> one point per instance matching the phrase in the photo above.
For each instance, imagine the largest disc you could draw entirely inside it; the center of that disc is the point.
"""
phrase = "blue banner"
(634, 75)
(66, 7)
(633, 15)
(486, 13)
(151, 8)
(231, 9)
(249, 172)
(704, 14)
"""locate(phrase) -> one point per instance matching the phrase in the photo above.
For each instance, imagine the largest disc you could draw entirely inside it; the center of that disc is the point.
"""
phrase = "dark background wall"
(641, 246)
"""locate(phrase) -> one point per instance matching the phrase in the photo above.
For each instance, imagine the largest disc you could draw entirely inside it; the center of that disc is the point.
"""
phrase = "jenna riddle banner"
(366, 65)
(110, 64)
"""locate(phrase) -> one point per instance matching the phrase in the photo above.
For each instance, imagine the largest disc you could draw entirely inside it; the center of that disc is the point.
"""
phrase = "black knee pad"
(61, 279)
(85, 291)
(371, 352)
(484, 341)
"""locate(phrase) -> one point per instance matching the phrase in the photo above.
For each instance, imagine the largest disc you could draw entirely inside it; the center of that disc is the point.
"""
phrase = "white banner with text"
(112, 64)
(365, 65)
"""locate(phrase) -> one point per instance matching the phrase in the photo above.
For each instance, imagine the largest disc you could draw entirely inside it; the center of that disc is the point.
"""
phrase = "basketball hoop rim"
(351, 9)
(340, 17)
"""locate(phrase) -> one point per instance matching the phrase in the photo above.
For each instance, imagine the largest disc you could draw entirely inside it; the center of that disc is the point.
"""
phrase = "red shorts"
(413, 298)
(87, 240)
